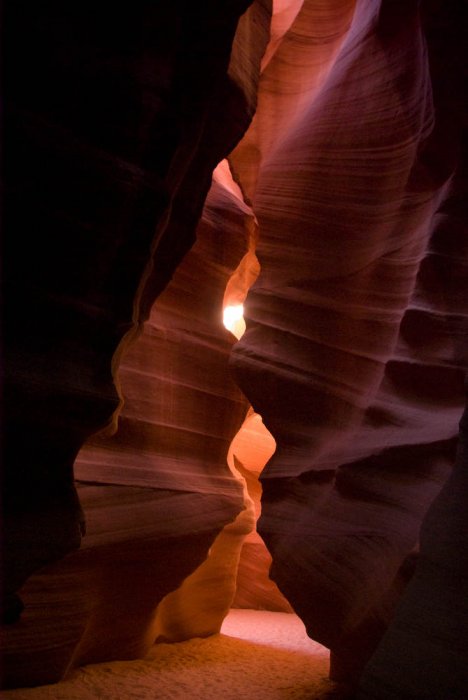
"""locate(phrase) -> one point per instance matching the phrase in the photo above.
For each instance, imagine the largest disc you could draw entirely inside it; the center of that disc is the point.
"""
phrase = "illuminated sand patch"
(259, 655)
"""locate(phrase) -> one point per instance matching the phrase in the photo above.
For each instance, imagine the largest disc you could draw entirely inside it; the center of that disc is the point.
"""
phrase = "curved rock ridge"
(249, 452)
(344, 206)
(199, 605)
(99, 603)
(181, 408)
(253, 444)
(180, 413)
(356, 340)
(160, 483)
(429, 630)
(115, 152)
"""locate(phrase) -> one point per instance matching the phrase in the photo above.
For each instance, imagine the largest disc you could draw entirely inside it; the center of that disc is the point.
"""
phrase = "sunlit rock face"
(114, 123)
(249, 452)
(157, 493)
(181, 410)
(348, 208)
(356, 340)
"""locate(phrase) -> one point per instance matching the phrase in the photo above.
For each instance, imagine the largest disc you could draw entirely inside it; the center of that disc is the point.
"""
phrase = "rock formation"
(114, 123)
(424, 653)
(355, 348)
(342, 207)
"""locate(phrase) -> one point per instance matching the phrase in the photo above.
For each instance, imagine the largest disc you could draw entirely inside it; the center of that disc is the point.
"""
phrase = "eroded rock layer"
(115, 121)
(424, 653)
(356, 340)
(351, 180)
(181, 411)
(161, 485)
(249, 452)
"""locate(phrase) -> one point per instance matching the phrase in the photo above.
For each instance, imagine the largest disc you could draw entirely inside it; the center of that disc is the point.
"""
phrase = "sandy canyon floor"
(258, 656)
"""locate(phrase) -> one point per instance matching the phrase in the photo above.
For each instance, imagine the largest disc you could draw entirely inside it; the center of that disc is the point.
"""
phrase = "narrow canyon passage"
(258, 653)
(248, 454)
(186, 501)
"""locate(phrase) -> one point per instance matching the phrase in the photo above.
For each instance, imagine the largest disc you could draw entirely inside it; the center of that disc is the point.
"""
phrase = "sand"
(258, 655)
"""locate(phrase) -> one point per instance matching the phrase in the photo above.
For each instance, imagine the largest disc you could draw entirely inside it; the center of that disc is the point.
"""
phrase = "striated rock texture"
(249, 452)
(114, 121)
(351, 182)
(157, 493)
(356, 341)
(424, 654)
(181, 411)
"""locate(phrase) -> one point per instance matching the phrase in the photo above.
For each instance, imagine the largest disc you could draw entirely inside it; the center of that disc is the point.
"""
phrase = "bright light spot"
(233, 319)
(232, 314)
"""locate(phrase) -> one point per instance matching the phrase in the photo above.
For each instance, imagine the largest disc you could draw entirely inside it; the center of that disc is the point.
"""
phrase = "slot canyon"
(301, 165)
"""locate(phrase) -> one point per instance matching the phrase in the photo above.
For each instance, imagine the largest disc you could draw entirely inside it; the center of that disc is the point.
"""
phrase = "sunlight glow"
(233, 319)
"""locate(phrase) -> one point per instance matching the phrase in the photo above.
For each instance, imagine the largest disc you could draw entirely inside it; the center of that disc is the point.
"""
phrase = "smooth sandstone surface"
(343, 210)
(115, 159)
(356, 341)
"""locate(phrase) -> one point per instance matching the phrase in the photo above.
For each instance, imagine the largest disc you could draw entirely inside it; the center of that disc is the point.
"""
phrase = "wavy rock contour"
(355, 348)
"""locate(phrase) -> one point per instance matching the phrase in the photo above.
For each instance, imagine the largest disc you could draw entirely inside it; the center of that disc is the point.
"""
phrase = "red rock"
(348, 216)
(348, 355)
(115, 122)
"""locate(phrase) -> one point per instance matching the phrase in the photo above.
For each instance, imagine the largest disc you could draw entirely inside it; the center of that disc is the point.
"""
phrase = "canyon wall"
(349, 187)
(114, 122)
(356, 342)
